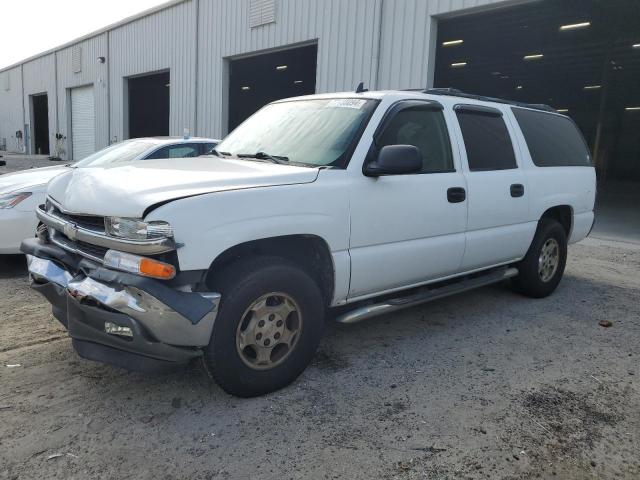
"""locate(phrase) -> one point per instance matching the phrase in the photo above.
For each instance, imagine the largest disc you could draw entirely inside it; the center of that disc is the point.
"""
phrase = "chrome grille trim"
(74, 233)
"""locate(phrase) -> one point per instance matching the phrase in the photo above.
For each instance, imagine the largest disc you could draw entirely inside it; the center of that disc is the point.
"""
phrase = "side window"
(424, 128)
(486, 139)
(176, 151)
(553, 140)
(207, 147)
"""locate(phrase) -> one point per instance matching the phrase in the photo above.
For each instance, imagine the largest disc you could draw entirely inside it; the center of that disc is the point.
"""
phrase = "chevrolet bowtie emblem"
(70, 230)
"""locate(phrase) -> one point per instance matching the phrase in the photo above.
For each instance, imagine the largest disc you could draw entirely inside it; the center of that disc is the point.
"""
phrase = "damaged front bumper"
(118, 318)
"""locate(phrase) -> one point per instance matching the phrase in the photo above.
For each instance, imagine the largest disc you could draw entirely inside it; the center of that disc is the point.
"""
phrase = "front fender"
(207, 225)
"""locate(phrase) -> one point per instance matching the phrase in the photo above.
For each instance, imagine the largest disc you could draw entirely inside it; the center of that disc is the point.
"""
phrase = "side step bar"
(425, 295)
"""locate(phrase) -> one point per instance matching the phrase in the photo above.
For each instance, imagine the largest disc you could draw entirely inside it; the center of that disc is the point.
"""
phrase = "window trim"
(390, 114)
(477, 110)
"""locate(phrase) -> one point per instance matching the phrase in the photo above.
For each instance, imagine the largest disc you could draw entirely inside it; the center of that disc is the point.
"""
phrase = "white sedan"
(21, 192)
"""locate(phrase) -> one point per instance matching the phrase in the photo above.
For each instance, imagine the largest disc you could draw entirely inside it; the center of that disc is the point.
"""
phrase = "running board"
(425, 295)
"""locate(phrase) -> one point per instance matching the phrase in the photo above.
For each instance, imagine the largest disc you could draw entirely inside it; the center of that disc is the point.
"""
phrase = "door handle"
(517, 190)
(456, 195)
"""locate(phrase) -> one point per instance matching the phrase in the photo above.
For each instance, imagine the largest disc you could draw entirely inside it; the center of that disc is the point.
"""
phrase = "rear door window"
(553, 140)
(486, 138)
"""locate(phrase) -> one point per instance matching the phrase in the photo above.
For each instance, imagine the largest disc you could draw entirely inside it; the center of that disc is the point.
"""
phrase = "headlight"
(10, 200)
(134, 229)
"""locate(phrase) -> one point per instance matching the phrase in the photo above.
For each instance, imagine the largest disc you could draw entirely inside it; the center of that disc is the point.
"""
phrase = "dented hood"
(129, 189)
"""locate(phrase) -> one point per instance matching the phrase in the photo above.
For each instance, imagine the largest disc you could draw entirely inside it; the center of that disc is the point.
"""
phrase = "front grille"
(90, 222)
(85, 249)
(93, 223)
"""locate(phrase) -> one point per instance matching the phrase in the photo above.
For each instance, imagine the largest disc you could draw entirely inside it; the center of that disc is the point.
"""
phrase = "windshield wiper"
(264, 156)
(218, 153)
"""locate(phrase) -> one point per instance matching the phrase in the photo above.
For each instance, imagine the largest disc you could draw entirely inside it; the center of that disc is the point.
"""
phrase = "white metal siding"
(93, 73)
(83, 122)
(162, 41)
(346, 32)
(11, 108)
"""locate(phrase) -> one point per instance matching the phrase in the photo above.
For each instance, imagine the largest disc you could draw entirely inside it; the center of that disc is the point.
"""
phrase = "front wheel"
(268, 327)
(542, 268)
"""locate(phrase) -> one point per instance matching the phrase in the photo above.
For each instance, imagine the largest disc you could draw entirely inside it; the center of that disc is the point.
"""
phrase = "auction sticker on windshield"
(356, 103)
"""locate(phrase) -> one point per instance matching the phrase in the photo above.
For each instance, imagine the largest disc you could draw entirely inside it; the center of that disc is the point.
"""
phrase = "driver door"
(408, 229)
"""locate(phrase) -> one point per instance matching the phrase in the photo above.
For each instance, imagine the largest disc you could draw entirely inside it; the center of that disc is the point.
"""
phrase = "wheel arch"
(308, 251)
(563, 214)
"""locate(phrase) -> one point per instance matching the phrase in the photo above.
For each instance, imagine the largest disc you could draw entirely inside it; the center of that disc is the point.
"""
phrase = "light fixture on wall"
(101, 59)
(245, 88)
(281, 67)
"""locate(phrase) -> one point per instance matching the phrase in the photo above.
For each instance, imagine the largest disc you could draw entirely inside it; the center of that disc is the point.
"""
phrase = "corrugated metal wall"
(91, 73)
(385, 43)
(346, 32)
(10, 107)
(162, 41)
(408, 39)
(39, 77)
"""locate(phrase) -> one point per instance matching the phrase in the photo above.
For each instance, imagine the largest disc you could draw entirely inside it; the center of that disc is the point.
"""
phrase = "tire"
(531, 280)
(246, 302)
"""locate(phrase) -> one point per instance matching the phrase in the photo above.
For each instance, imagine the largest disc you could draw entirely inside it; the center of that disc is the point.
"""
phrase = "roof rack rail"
(454, 92)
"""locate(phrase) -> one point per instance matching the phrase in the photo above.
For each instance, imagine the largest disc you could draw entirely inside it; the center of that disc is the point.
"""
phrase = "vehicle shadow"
(12, 266)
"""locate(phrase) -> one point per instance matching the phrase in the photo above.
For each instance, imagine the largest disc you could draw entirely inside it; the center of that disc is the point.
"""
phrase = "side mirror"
(395, 160)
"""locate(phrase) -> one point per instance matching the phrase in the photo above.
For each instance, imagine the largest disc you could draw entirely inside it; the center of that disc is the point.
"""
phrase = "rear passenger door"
(498, 205)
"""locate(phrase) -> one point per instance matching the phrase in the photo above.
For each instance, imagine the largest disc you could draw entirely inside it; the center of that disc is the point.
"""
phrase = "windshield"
(311, 132)
(119, 153)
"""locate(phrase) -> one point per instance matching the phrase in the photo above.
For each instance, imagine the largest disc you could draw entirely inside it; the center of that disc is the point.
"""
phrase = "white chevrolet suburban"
(357, 204)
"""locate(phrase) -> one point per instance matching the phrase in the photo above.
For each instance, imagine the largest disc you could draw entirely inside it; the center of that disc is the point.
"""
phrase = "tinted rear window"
(553, 140)
(486, 140)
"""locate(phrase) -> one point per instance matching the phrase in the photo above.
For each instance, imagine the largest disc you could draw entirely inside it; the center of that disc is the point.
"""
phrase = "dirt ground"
(484, 385)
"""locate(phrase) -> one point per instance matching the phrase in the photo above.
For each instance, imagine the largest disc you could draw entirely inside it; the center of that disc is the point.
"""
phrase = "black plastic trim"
(477, 109)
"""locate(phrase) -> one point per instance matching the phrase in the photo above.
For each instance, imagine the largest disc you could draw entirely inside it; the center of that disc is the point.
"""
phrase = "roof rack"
(454, 92)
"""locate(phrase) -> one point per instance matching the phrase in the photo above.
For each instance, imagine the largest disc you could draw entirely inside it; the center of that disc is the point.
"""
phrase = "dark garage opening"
(582, 57)
(149, 105)
(40, 124)
(260, 79)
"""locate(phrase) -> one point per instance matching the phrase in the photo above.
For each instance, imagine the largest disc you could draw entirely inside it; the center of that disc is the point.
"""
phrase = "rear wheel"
(542, 268)
(268, 327)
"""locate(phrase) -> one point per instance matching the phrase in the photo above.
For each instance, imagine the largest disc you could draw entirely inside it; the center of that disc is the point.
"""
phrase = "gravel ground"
(15, 162)
(484, 385)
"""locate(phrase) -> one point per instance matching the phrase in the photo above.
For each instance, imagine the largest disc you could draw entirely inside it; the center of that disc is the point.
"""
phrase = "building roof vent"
(261, 12)
(76, 59)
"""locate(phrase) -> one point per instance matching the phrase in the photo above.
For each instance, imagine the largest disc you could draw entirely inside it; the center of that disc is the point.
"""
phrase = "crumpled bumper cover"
(166, 325)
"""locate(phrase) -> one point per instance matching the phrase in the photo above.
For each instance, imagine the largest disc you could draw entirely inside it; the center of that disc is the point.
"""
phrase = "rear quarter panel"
(555, 186)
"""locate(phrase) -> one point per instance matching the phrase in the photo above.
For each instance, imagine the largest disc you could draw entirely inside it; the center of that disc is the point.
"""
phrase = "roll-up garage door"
(83, 130)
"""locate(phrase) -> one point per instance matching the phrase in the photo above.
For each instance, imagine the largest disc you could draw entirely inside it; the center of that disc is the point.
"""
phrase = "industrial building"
(203, 66)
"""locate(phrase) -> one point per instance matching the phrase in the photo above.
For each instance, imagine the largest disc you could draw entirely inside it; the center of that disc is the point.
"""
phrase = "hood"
(33, 179)
(127, 190)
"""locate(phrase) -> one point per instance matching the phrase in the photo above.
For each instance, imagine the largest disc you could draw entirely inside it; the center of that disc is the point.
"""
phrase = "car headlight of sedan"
(10, 200)
(136, 229)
